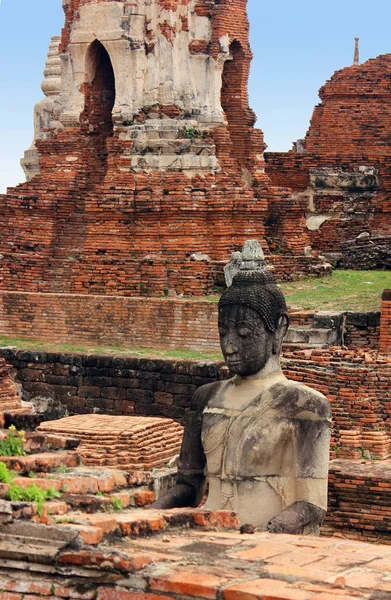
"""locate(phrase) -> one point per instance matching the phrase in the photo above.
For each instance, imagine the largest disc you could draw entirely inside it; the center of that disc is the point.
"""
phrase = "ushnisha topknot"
(257, 290)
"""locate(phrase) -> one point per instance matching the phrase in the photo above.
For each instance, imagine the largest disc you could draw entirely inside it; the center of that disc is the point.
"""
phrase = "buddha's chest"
(254, 442)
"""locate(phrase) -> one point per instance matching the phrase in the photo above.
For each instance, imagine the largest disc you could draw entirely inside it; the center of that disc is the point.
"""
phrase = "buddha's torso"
(250, 444)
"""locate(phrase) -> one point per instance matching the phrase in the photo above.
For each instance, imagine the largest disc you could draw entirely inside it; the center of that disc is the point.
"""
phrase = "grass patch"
(357, 291)
(140, 352)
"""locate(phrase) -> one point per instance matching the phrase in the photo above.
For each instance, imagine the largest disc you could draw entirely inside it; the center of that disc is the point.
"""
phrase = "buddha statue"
(260, 440)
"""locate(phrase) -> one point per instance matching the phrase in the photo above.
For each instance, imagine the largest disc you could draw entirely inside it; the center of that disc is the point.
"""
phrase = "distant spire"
(356, 60)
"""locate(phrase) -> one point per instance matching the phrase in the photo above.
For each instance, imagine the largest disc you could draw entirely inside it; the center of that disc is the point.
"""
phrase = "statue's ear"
(281, 330)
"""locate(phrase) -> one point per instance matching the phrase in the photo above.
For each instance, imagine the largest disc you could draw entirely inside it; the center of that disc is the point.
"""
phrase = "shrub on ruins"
(13, 443)
(33, 494)
(6, 475)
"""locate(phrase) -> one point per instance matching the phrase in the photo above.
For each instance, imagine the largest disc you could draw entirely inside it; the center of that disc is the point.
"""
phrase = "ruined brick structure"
(340, 173)
(385, 325)
(150, 170)
(9, 396)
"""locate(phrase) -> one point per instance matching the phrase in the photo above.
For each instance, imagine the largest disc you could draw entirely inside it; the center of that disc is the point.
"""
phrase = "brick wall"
(112, 384)
(110, 320)
(362, 329)
(139, 322)
(357, 385)
(385, 326)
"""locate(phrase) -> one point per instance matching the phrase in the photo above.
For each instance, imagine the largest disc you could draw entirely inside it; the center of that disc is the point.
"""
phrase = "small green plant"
(13, 443)
(100, 494)
(33, 494)
(6, 475)
(336, 449)
(190, 133)
(363, 453)
(117, 504)
(31, 474)
(61, 470)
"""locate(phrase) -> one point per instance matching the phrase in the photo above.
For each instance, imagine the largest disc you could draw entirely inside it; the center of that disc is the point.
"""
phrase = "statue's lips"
(233, 363)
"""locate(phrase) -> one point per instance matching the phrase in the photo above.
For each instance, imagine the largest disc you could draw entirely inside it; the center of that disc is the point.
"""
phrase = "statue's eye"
(222, 331)
(244, 332)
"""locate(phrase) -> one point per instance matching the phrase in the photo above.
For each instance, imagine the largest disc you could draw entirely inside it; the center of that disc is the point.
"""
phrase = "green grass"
(139, 352)
(357, 291)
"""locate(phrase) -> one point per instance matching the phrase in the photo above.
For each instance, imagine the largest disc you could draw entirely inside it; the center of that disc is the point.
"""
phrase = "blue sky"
(297, 46)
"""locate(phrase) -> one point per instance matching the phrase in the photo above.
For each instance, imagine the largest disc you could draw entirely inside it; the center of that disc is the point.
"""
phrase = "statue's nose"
(231, 347)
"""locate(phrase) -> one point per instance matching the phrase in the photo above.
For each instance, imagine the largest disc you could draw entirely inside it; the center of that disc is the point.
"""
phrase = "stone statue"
(260, 440)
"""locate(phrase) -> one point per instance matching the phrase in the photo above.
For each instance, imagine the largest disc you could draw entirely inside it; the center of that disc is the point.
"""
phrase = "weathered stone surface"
(43, 111)
(367, 253)
(208, 565)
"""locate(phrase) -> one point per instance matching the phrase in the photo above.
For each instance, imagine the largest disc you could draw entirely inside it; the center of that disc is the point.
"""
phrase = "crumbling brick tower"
(147, 153)
(341, 170)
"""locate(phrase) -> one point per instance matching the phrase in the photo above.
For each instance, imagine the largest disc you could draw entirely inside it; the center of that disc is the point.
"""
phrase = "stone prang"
(43, 111)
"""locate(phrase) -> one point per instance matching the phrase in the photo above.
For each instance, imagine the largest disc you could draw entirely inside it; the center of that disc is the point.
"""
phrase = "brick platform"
(207, 564)
(126, 442)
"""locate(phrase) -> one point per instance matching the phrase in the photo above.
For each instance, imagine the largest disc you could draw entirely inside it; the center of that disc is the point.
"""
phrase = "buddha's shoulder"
(205, 394)
(294, 399)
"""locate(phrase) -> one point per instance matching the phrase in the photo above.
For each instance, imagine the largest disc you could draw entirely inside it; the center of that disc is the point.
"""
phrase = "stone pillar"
(385, 323)
(356, 60)
(43, 111)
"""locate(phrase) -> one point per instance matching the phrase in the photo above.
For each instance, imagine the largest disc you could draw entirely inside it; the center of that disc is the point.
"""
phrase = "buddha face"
(245, 342)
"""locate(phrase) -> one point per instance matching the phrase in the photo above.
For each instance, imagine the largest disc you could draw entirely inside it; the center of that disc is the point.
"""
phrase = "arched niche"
(99, 90)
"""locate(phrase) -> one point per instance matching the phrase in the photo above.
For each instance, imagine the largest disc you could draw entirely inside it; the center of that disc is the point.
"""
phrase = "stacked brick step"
(52, 462)
(360, 500)
(9, 397)
(122, 441)
(357, 443)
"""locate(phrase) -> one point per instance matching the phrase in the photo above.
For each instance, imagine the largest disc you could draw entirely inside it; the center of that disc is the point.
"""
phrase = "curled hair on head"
(257, 290)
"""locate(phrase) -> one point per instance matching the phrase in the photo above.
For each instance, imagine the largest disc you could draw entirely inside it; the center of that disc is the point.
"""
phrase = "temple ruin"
(144, 174)
(339, 173)
(146, 171)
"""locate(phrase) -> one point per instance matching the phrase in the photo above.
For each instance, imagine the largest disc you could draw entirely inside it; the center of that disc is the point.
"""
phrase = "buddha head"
(252, 321)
